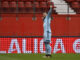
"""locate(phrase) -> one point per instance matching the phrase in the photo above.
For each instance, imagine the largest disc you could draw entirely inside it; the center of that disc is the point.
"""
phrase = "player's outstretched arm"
(50, 12)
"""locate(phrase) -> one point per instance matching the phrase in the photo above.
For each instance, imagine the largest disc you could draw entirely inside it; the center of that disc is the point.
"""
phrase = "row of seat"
(24, 6)
(76, 6)
(26, 0)
(14, 4)
(25, 10)
(73, 1)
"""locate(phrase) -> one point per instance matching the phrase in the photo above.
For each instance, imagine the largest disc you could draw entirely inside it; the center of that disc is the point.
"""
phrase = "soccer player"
(47, 32)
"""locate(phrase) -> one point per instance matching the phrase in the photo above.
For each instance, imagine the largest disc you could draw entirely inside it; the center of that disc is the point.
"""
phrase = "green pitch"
(39, 57)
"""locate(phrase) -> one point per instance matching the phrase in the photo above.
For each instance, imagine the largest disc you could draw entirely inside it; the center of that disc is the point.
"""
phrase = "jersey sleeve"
(49, 13)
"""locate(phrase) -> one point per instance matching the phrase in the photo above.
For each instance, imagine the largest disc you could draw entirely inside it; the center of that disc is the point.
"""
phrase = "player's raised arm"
(50, 12)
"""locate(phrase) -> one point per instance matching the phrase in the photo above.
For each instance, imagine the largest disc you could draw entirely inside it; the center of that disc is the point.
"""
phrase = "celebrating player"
(47, 32)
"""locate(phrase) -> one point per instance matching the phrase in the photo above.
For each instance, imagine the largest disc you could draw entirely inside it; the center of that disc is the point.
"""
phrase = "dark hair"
(43, 18)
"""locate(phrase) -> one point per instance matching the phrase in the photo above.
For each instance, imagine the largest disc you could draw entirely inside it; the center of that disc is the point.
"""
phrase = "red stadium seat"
(23, 0)
(78, 0)
(40, 0)
(45, 0)
(75, 5)
(8, 0)
(70, 0)
(4, 0)
(30, 0)
(0, 6)
(43, 5)
(36, 4)
(5, 4)
(13, 6)
(28, 4)
(20, 4)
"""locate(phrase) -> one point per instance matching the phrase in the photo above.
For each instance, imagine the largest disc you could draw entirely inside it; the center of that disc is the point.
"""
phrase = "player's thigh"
(47, 38)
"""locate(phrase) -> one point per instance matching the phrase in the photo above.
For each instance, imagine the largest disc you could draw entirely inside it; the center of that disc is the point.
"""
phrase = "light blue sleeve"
(49, 13)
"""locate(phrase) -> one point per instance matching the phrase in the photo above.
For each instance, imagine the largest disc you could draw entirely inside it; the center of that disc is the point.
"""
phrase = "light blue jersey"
(46, 26)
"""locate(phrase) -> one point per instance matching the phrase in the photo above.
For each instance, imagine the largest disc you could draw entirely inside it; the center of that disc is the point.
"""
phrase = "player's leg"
(48, 48)
(47, 45)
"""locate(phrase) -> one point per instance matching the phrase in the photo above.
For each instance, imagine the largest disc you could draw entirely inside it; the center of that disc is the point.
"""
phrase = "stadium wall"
(23, 25)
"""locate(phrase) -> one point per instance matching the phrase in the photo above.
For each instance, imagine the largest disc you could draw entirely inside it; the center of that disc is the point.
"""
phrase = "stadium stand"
(74, 4)
(26, 27)
(24, 6)
(37, 6)
(70, 1)
(62, 7)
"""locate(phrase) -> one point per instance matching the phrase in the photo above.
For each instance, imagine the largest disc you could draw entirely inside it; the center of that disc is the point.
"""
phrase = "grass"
(39, 57)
